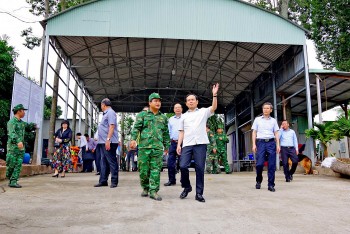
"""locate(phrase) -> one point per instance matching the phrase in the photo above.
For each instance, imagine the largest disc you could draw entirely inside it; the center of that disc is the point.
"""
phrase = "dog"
(305, 162)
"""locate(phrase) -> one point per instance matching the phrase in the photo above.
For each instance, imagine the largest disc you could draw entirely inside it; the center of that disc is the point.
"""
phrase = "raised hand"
(215, 89)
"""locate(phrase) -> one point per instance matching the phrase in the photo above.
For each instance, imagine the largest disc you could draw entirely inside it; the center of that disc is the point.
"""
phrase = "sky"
(12, 27)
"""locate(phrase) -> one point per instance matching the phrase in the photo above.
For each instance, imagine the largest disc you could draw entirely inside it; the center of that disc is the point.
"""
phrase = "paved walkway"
(310, 204)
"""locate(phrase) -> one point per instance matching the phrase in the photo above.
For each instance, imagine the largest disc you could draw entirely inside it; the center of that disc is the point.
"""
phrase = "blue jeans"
(172, 162)
(130, 156)
(199, 154)
(109, 163)
(266, 151)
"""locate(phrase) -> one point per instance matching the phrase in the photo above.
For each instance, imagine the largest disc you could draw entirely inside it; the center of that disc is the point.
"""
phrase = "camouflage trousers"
(14, 159)
(150, 163)
(222, 156)
(212, 164)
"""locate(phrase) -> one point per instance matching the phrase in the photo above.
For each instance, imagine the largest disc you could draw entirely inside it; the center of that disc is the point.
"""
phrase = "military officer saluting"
(152, 126)
(221, 141)
(15, 145)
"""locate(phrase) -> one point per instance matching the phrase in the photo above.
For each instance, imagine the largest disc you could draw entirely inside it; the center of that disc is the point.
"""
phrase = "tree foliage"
(47, 108)
(31, 41)
(329, 24)
(321, 132)
(126, 122)
(340, 128)
(38, 7)
(7, 69)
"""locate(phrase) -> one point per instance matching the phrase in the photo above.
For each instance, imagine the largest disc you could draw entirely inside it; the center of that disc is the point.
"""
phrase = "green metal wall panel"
(219, 20)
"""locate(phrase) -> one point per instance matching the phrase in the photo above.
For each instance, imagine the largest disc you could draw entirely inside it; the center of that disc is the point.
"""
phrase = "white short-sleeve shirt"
(265, 127)
(194, 126)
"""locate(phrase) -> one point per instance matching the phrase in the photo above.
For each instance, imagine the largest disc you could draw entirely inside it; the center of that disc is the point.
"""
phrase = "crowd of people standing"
(186, 137)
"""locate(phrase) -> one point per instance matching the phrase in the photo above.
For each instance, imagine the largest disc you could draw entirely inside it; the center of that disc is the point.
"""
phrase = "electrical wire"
(27, 22)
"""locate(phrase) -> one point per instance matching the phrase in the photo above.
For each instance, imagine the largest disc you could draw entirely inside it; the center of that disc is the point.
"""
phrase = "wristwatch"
(108, 139)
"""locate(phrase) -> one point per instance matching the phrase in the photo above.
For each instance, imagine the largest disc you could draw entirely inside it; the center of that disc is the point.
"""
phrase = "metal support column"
(319, 103)
(67, 89)
(252, 116)
(91, 112)
(310, 142)
(81, 86)
(274, 95)
(43, 86)
(236, 141)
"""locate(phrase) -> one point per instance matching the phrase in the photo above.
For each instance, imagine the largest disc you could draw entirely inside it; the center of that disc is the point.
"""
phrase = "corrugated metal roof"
(220, 20)
(125, 49)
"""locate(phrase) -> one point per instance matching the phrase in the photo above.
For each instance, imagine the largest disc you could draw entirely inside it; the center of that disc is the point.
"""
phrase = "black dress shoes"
(258, 185)
(98, 173)
(288, 180)
(113, 186)
(169, 183)
(272, 189)
(291, 178)
(185, 192)
(200, 198)
(101, 185)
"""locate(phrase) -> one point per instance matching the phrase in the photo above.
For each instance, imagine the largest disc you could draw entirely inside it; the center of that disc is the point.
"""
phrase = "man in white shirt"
(194, 139)
(265, 140)
(83, 144)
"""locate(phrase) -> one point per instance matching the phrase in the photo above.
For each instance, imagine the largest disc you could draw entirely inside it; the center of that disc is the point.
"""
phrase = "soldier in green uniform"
(221, 141)
(152, 126)
(212, 158)
(15, 144)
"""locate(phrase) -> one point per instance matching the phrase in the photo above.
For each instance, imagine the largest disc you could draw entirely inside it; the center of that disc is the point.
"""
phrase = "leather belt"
(174, 140)
(288, 147)
(266, 140)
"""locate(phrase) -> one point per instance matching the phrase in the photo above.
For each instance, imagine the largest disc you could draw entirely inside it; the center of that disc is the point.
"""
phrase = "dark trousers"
(130, 156)
(172, 162)
(87, 165)
(109, 163)
(199, 153)
(289, 152)
(98, 157)
(266, 151)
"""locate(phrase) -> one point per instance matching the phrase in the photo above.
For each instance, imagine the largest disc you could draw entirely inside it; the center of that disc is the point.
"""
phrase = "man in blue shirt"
(289, 149)
(173, 126)
(265, 145)
(108, 144)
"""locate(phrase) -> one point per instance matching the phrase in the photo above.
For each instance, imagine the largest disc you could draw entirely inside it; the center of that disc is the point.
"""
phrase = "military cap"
(18, 107)
(220, 126)
(154, 96)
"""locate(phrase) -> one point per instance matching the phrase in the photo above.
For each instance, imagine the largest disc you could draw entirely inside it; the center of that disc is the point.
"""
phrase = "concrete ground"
(310, 204)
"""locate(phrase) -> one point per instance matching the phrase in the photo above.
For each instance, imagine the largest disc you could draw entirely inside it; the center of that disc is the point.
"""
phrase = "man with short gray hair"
(108, 144)
(266, 143)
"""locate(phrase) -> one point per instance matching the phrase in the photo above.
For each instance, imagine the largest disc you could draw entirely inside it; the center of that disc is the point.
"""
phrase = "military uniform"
(153, 134)
(14, 157)
(221, 141)
(213, 166)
